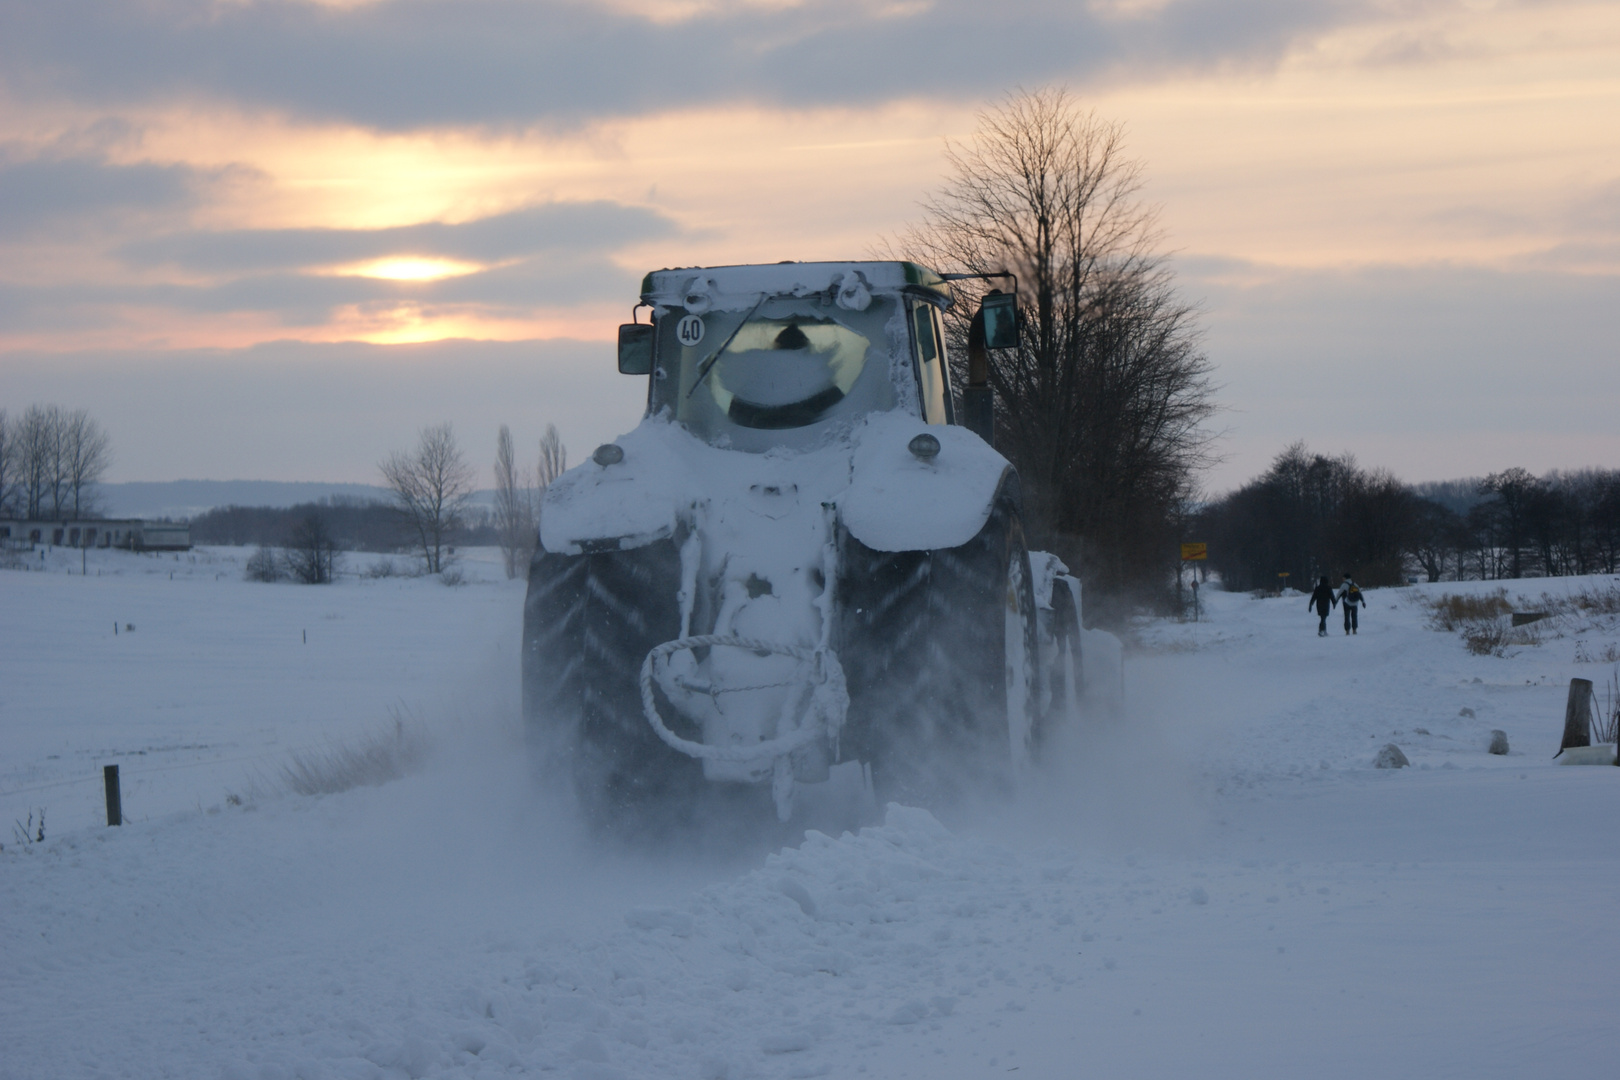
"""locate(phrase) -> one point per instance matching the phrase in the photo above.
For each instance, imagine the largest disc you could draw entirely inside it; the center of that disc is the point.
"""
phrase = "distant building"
(130, 533)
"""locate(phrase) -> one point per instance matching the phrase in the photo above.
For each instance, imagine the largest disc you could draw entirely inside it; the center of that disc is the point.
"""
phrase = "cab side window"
(930, 363)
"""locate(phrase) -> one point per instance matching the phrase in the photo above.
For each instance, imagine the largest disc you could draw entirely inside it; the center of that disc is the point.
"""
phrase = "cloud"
(516, 290)
(576, 226)
(410, 64)
(1599, 210)
(58, 194)
(535, 258)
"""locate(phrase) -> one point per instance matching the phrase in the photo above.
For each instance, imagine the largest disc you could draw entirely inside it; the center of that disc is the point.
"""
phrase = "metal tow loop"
(822, 674)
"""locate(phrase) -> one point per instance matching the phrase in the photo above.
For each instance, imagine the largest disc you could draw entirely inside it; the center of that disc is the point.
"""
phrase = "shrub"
(311, 556)
(1483, 622)
(262, 565)
(1594, 601)
(29, 832)
(376, 759)
(1452, 612)
(1610, 654)
(1485, 637)
(1606, 725)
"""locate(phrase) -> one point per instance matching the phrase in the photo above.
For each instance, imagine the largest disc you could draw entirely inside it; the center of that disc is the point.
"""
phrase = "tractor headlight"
(925, 447)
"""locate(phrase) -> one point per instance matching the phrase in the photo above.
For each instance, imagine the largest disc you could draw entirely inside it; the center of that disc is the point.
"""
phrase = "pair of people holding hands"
(1324, 600)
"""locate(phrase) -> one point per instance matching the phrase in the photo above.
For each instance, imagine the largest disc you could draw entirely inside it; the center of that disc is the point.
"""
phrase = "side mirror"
(1000, 314)
(635, 349)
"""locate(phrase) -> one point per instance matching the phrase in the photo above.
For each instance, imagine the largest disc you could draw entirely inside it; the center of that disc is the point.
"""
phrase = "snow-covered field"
(1216, 885)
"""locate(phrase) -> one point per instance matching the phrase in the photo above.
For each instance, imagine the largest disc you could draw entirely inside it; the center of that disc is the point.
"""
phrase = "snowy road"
(1220, 886)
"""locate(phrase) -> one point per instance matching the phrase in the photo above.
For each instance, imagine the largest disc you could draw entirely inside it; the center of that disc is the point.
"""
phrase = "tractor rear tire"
(941, 656)
(588, 622)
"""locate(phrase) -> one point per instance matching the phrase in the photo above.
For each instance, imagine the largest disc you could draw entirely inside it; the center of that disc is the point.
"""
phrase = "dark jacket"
(1322, 599)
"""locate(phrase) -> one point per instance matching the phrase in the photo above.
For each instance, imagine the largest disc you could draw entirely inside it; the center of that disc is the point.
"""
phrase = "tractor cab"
(755, 357)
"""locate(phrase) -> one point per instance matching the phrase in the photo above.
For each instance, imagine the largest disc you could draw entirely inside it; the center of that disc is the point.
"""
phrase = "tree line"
(354, 524)
(51, 459)
(306, 542)
(427, 515)
(1311, 514)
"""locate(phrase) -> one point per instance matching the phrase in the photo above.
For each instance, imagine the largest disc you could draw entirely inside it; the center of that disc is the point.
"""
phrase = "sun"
(408, 268)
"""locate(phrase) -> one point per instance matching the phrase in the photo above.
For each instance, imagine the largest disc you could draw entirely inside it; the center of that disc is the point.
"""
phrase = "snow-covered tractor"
(798, 559)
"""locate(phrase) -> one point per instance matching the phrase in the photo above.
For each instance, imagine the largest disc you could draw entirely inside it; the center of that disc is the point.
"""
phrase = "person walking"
(1350, 597)
(1322, 600)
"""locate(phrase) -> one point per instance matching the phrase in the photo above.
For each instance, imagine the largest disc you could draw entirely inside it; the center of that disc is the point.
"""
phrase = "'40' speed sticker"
(689, 330)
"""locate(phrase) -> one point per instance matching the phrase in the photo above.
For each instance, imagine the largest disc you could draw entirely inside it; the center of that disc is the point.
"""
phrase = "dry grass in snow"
(376, 759)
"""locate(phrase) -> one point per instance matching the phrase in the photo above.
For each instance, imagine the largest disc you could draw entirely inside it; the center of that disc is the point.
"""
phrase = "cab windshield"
(785, 364)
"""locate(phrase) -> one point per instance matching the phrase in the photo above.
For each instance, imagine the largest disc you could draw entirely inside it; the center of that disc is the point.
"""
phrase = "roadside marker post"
(115, 801)
(1192, 552)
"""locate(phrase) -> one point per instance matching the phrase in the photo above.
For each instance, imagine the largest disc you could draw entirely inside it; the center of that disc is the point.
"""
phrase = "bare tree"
(1514, 491)
(86, 453)
(553, 458)
(1434, 537)
(8, 465)
(311, 555)
(1102, 406)
(514, 507)
(56, 454)
(553, 463)
(430, 486)
(50, 462)
(35, 442)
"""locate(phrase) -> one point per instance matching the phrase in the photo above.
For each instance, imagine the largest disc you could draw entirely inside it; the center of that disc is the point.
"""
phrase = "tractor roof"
(731, 286)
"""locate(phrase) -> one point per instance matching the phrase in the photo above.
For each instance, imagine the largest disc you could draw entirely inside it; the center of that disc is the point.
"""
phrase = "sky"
(273, 239)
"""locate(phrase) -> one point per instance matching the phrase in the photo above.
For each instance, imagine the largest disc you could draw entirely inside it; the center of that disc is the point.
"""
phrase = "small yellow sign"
(1194, 552)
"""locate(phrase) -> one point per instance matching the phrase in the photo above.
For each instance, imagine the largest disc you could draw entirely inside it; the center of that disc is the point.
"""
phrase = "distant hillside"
(189, 498)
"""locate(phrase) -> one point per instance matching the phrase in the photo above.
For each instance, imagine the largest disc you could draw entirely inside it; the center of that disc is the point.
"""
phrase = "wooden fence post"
(1577, 715)
(115, 802)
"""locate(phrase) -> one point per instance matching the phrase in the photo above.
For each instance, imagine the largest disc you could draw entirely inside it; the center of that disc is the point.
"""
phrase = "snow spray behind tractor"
(802, 557)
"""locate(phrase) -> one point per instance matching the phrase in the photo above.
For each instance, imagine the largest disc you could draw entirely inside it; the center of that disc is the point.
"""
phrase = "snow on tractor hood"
(888, 499)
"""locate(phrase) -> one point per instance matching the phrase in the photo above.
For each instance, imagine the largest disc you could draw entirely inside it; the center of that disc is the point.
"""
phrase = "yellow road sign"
(1194, 552)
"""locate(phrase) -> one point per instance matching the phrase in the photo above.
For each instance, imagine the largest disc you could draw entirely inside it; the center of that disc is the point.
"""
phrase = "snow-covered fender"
(888, 498)
(625, 504)
(898, 501)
